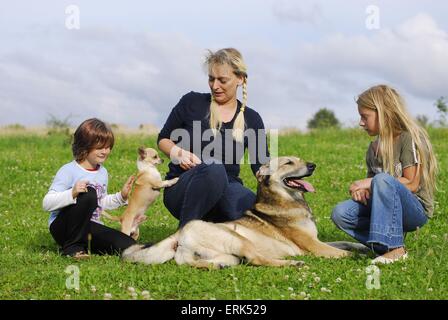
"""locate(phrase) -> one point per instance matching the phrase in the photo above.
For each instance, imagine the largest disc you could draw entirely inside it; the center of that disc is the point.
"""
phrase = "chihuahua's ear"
(264, 174)
(141, 151)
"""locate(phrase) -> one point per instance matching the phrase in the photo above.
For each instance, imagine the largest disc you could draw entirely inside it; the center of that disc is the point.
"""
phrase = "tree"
(324, 118)
(422, 120)
(442, 109)
(61, 127)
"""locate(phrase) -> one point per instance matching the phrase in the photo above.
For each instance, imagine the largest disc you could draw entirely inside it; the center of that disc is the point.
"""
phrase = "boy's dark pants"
(73, 225)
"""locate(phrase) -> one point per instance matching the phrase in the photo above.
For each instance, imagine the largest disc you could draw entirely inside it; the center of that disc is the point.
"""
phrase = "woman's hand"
(79, 187)
(184, 158)
(361, 195)
(127, 188)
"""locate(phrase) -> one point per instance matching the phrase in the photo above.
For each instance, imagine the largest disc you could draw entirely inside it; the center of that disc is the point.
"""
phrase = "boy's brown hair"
(90, 135)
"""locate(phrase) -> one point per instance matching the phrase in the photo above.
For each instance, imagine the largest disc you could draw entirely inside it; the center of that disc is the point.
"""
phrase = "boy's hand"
(127, 188)
(361, 195)
(79, 187)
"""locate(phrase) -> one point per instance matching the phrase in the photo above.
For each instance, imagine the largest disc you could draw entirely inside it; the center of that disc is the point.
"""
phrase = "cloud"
(135, 77)
(411, 57)
(299, 12)
(121, 77)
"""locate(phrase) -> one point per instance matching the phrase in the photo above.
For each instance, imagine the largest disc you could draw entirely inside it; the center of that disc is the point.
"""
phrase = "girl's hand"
(360, 184)
(361, 196)
(184, 158)
(127, 188)
(79, 187)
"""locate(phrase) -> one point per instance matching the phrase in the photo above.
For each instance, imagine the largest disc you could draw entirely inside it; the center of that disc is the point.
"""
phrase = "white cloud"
(132, 76)
(299, 12)
(411, 57)
(120, 77)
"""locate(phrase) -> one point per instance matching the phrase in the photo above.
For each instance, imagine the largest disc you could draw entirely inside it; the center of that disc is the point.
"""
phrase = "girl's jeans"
(391, 210)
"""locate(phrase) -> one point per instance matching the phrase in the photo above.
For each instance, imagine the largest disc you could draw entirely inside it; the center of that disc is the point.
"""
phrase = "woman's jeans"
(205, 192)
(391, 211)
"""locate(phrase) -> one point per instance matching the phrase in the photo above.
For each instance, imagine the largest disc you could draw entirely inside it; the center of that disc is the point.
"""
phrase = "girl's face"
(369, 120)
(223, 83)
(96, 157)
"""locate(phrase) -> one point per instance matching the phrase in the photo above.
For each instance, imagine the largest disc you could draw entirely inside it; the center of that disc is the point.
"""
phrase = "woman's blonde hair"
(394, 118)
(234, 59)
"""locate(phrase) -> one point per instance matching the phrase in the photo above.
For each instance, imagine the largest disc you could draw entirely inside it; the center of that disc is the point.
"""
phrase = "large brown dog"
(146, 189)
(280, 225)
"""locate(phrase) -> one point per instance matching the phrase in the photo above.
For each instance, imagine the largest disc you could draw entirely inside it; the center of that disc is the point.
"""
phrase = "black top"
(193, 111)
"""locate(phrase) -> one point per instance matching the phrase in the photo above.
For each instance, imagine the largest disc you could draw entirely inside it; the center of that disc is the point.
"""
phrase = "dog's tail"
(156, 254)
(350, 246)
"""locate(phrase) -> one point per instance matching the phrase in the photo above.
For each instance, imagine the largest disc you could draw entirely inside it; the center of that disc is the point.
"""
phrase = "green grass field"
(31, 268)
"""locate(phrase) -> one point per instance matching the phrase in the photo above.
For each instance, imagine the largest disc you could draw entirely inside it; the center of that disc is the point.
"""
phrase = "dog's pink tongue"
(308, 187)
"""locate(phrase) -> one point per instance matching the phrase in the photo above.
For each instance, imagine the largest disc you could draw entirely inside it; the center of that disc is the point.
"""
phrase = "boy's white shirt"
(57, 200)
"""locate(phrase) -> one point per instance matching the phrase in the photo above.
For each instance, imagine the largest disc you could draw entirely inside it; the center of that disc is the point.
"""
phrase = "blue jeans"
(206, 192)
(391, 210)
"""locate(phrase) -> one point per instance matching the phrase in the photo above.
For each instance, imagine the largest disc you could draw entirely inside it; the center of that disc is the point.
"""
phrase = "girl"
(78, 194)
(397, 196)
(209, 187)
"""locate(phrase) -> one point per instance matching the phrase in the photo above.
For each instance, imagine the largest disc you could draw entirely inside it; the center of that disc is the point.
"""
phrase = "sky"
(130, 62)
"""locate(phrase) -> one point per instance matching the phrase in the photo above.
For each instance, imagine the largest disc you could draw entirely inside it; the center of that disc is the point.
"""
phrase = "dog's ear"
(263, 174)
(142, 152)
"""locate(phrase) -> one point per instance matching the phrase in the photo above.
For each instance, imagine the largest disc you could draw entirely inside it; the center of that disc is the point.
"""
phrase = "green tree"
(422, 120)
(56, 126)
(324, 118)
(442, 109)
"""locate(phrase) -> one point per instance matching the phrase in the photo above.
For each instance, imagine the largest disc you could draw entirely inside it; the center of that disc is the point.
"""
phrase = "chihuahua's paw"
(135, 234)
(138, 219)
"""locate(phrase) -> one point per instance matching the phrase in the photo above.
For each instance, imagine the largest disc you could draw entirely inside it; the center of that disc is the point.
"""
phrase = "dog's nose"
(310, 166)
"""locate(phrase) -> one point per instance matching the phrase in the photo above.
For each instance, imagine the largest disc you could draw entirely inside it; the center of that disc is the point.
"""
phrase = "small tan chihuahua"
(147, 187)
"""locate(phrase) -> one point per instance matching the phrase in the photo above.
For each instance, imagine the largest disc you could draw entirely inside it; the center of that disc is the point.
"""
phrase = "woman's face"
(369, 120)
(223, 83)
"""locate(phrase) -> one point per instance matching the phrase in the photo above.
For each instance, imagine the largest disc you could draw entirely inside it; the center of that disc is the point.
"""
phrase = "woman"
(205, 136)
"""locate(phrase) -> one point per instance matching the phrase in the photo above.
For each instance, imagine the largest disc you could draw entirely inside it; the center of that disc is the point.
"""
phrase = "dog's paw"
(135, 234)
(139, 219)
(297, 263)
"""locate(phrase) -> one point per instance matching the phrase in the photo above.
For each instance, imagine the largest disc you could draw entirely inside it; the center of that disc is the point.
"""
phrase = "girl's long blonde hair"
(234, 59)
(394, 118)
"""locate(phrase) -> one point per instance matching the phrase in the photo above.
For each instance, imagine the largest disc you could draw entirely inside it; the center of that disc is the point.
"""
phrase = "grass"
(30, 267)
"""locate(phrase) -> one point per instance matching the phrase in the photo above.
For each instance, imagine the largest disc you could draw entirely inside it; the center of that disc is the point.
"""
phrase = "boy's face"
(98, 156)
(369, 120)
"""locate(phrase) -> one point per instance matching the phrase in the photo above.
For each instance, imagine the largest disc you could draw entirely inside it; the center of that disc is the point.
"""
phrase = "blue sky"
(130, 62)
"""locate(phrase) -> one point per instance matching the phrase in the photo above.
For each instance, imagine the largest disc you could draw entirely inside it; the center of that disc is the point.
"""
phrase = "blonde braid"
(239, 124)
